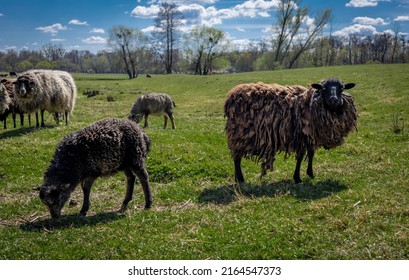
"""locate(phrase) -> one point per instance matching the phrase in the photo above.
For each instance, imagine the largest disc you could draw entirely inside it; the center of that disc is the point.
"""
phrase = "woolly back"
(53, 90)
(264, 119)
(260, 119)
(153, 103)
(102, 148)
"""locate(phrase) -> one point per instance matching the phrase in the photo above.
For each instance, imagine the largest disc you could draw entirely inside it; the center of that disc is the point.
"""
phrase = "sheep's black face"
(136, 118)
(24, 87)
(54, 197)
(331, 90)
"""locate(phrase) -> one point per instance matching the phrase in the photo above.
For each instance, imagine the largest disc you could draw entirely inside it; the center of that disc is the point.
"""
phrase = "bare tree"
(130, 43)
(205, 44)
(290, 18)
(305, 41)
(53, 52)
(166, 34)
(293, 34)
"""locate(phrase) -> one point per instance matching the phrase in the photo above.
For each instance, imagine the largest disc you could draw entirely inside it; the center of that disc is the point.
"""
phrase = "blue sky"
(84, 24)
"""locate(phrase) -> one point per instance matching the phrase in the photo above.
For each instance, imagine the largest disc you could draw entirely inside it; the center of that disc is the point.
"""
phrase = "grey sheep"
(50, 90)
(265, 119)
(155, 104)
(8, 103)
(101, 149)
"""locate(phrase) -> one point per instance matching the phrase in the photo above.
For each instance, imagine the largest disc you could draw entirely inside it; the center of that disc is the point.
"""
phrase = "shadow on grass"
(21, 131)
(71, 221)
(304, 191)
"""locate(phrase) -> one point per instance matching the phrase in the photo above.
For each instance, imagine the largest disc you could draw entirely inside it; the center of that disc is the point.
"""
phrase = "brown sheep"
(265, 119)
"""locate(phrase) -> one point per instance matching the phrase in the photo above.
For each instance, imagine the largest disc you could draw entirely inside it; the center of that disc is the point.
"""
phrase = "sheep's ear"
(3, 81)
(317, 86)
(348, 86)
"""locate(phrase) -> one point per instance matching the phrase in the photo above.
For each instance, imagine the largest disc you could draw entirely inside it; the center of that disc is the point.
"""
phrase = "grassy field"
(357, 207)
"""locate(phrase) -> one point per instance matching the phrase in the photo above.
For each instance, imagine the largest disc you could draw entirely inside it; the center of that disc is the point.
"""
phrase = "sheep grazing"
(101, 149)
(8, 103)
(265, 119)
(153, 103)
(50, 90)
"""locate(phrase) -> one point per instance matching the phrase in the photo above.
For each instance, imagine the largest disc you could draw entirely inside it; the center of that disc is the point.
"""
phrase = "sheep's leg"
(310, 172)
(66, 118)
(130, 183)
(172, 120)
(296, 175)
(57, 117)
(143, 177)
(14, 119)
(86, 189)
(238, 174)
(42, 118)
(21, 119)
(166, 122)
(5, 123)
(29, 119)
(37, 122)
(146, 120)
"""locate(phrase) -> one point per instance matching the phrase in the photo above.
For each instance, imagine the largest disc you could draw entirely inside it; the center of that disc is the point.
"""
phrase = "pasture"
(357, 207)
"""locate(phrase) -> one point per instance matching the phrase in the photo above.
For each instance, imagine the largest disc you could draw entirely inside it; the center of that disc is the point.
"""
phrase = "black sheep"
(101, 149)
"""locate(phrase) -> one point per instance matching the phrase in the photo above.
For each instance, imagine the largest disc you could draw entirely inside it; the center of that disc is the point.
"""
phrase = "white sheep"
(50, 90)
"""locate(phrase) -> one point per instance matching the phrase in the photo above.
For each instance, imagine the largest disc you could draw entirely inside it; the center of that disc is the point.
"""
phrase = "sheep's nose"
(333, 99)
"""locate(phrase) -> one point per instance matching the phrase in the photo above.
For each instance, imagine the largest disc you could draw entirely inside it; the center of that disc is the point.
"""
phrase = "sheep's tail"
(174, 104)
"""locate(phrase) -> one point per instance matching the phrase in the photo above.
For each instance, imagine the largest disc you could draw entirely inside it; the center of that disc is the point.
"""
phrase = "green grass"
(355, 208)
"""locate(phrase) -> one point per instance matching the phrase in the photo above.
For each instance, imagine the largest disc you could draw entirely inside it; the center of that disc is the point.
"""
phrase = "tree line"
(297, 41)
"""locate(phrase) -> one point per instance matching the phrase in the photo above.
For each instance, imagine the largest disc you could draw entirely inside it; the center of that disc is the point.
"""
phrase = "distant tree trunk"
(130, 43)
(204, 43)
(165, 35)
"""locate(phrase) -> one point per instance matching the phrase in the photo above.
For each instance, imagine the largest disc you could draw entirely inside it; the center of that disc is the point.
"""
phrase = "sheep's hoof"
(122, 209)
(297, 180)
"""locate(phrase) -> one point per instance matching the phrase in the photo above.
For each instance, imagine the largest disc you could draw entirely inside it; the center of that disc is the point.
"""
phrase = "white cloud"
(309, 21)
(97, 30)
(52, 29)
(356, 29)
(370, 21)
(199, 12)
(402, 18)
(145, 12)
(1, 14)
(95, 40)
(77, 22)
(254, 8)
(364, 3)
(240, 29)
(388, 31)
(149, 29)
(57, 40)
